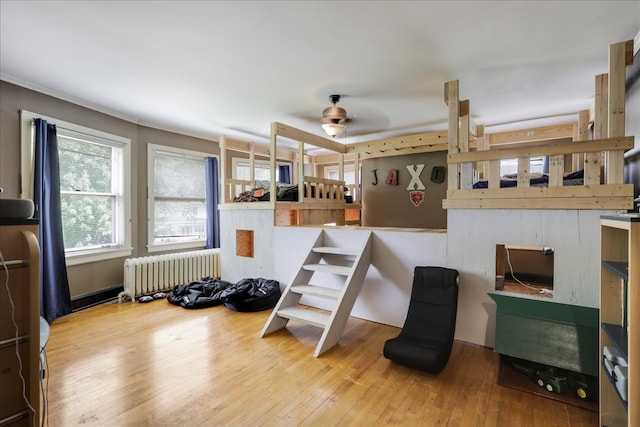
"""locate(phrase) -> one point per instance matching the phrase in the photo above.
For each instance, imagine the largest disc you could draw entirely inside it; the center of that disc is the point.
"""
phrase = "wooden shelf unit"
(20, 251)
(619, 317)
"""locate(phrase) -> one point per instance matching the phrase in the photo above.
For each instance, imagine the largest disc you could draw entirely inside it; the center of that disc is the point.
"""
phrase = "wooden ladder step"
(311, 317)
(334, 250)
(329, 268)
(319, 291)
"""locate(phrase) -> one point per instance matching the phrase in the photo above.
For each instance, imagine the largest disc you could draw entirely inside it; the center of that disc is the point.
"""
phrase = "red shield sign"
(416, 197)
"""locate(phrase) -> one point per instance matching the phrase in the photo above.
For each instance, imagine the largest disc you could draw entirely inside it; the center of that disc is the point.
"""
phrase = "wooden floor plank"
(156, 364)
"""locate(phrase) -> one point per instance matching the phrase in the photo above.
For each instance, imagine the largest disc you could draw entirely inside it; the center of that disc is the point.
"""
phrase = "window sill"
(96, 256)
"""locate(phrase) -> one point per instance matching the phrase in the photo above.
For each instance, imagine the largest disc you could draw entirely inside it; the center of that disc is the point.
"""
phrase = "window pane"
(179, 219)
(87, 220)
(179, 177)
(84, 166)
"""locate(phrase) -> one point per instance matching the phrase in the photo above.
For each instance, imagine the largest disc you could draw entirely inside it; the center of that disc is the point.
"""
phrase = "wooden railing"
(590, 195)
(322, 190)
(237, 186)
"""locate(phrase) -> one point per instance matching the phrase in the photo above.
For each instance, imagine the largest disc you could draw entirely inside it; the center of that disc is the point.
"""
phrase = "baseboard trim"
(94, 298)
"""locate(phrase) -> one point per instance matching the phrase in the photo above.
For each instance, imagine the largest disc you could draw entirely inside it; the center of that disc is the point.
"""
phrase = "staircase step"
(312, 317)
(319, 291)
(329, 268)
(336, 251)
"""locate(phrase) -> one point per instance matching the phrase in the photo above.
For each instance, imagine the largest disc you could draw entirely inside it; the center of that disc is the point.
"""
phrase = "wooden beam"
(539, 203)
(427, 139)
(308, 138)
(258, 149)
(404, 151)
(546, 133)
(568, 191)
(619, 143)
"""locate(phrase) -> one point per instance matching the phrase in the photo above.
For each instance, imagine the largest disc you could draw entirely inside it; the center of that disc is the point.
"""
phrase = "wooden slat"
(619, 143)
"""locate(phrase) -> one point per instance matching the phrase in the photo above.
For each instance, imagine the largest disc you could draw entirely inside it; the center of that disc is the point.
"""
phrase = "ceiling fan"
(334, 117)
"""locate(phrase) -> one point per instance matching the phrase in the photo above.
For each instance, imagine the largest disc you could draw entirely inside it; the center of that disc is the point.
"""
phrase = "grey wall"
(390, 206)
(91, 277)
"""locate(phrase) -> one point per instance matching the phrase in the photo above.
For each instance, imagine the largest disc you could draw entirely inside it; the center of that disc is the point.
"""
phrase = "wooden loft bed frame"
(314, 209)
(320, 200)
(474, 155)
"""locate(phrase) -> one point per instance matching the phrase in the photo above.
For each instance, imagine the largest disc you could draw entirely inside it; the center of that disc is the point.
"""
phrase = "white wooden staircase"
(350, 263)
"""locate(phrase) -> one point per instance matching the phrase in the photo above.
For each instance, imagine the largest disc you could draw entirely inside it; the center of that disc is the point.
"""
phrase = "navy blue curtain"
(55, 299)
(284, 172)
(213, 196)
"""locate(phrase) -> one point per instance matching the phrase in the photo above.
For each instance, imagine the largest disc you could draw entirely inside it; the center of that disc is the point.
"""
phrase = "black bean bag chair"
(201, 293)
(426, 338)
(252, 295)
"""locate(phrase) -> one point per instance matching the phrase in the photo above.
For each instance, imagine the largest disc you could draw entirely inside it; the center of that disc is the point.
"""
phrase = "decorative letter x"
(415, 171)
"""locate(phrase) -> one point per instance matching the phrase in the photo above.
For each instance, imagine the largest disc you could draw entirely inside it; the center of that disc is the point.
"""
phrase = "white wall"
(384, 297)
(235, 267)
(468, 246)
(471, 245)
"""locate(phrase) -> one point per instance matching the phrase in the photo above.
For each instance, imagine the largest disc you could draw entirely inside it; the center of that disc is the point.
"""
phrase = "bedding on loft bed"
(286, 193)
(537, 180)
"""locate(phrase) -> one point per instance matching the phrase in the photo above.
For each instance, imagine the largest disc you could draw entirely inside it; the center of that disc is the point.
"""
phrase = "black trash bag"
(251, 295)
(199, 294)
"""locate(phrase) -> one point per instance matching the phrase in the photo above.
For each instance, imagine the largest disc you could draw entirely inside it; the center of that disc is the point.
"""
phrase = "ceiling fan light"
(334, 112)
(333, 129)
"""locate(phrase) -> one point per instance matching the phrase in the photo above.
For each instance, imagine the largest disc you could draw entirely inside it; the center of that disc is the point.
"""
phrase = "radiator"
(150, 274)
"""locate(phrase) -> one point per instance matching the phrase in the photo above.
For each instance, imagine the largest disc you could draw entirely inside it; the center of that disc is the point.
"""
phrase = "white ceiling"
(207, 68)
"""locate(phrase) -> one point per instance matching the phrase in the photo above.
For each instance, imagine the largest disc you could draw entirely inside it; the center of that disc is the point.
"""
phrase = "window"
(261, 170)
(333, 172)
(241, 169)
(94, 167)
(177, 198)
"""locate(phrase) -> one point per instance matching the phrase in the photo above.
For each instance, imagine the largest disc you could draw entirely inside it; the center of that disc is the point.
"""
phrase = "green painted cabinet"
(561, 335)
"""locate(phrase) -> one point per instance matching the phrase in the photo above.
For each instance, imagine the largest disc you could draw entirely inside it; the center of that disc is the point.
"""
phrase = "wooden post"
(592, 161)
(273, 158)
(301, 171)
(483, 145)
(524, 175)
(451, 98)
(494, 167)
(618, 60)
(466, 169)
(223, 169)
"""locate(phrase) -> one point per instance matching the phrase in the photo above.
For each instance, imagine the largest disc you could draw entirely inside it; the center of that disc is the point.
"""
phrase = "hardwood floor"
(157, 364)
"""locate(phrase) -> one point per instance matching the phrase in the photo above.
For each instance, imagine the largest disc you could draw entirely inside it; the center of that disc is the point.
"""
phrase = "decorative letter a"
(392, 177)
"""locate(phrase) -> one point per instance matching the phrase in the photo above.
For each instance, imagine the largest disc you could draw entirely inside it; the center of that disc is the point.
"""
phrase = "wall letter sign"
(415, 171)
(392, 177)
